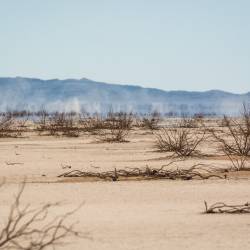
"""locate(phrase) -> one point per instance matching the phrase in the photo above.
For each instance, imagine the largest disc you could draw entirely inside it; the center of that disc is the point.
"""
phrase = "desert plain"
(130, 213)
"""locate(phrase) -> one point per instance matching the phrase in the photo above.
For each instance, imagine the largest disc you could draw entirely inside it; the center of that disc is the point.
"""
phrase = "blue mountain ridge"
(85, 94)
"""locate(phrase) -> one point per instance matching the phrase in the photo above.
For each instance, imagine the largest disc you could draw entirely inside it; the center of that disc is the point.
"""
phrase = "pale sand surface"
(160, 214)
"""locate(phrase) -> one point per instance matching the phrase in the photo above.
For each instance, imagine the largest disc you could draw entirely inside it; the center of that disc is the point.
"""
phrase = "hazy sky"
(168, 44)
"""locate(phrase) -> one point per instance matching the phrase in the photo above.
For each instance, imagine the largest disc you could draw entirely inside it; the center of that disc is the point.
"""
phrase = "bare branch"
(197, 171)
(30, 228)
(221, 207)
(182, 142)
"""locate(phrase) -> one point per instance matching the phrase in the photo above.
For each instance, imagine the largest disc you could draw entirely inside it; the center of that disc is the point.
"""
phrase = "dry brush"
(29, 228)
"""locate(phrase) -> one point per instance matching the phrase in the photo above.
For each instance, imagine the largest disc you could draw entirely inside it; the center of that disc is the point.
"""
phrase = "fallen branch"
(221, 207)
(198, 171)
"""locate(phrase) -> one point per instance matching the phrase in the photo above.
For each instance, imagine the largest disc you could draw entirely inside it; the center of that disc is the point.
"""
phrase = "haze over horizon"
(170, 45)
(89, 96)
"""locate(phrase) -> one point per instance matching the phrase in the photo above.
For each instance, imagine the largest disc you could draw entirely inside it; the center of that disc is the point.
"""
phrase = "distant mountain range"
(87, 95)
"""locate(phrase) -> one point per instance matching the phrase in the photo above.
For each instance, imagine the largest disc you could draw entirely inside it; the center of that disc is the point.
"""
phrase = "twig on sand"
(13, 163)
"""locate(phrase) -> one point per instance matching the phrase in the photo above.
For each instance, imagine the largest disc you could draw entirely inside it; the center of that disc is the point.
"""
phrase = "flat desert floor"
(155, 214)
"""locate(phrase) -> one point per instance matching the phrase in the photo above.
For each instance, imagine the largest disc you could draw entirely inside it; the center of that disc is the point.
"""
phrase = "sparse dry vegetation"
(238, 163)
(197, 171)
(58, 124)
(182, 142)
(115, 128)
(43, 121)
(188, 122)
(29, 228)
(92, 124)
(10, 127)
(236, 139)
(151, 121)
(6, 124)
(86, 160)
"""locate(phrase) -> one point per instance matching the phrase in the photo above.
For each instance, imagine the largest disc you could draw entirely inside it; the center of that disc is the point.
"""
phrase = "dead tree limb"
(30, 228)
(221, 207)
(197, 171)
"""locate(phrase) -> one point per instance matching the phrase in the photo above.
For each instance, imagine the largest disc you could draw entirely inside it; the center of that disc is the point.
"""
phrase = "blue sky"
(172, 45)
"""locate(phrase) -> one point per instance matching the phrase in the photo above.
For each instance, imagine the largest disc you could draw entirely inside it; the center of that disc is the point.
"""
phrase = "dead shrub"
(29, 228)
(182, 142)
(190, 122)
(238, 163)
(92, 124)
(151, 121)
(58, 124)
(236, 139)
(42, 123)
(9, 127)
(115, 128)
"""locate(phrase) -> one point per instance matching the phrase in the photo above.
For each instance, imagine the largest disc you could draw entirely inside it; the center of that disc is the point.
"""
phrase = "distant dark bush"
(58, 124)
(116, 127)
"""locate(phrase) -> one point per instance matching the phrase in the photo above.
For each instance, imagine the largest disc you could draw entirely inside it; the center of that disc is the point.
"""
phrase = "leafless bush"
(18, 113)
(190, 122)
(152, 121)
(6, 124)
(116, 127)
(58, 124)
(221, 207)
(238, 163)
(9, 126)
(30, 228)
(236, 139)
(183, 142)
(43, 120)
(92, 123)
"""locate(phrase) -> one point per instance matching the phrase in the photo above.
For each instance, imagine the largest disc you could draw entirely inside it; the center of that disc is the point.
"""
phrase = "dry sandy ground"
(128, 214)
